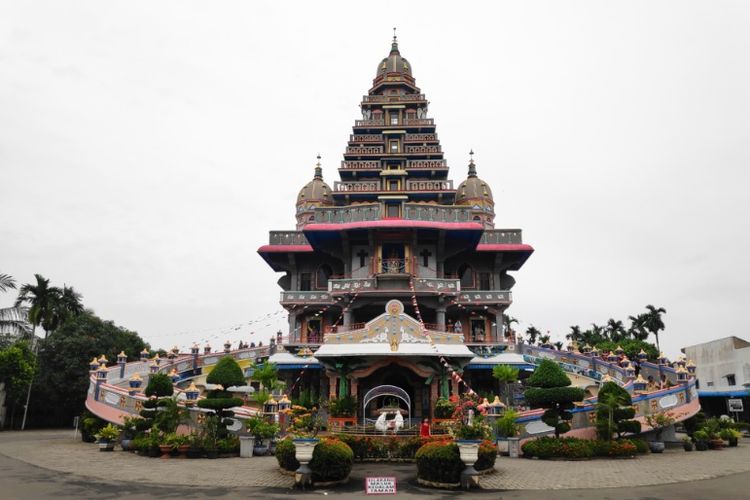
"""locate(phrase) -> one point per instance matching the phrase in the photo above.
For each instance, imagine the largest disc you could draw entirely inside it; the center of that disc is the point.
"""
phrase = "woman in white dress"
(380, 423)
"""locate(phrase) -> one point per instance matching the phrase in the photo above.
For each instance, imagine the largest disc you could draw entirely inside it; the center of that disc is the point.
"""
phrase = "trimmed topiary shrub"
(159, 385)
(227, 373)
(439, 462)
(487, 456)
(550, 389)
(332, 460)
(614, 409)
(285, 450)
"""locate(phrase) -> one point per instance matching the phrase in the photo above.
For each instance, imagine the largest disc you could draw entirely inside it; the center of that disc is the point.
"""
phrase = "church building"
(394, 277)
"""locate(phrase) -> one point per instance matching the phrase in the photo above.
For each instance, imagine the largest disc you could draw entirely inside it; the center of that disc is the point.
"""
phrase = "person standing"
(424, 429)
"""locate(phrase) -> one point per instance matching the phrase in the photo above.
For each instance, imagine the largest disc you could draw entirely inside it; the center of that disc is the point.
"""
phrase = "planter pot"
(514, 447)
(212, 454)
(165, 450)
(303, 452)
(106, 445)
(656, 446)
(247, 443)
(153, 452)
(183, 449)
(716, 444)
(126, 444)
(469, 451)
(701, 445)
(260, 449)
(272, 447)
(732, 442)
(194, 453)
(502, 446)
(687, 446)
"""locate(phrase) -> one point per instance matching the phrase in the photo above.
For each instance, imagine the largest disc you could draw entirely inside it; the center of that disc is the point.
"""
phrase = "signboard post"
(734, 405)
(380, 485)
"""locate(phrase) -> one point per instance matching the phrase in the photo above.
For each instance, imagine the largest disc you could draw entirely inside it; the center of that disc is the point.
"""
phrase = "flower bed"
(574, 448)
(386, 448)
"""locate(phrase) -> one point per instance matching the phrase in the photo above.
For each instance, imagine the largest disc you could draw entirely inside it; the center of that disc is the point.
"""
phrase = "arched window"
(466, 275)
(322, 276)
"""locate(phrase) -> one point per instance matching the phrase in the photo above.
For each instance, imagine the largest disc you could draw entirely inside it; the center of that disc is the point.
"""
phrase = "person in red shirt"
(424, 429)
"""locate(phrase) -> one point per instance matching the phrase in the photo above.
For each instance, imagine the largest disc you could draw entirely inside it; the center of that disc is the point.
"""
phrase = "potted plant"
(264, 432)
(107, 437)
(687, 443)
(247, 441)
(195, 445)
(128, 432)
(507, 433)
(701, 438)
(658, 423)
(731, 436)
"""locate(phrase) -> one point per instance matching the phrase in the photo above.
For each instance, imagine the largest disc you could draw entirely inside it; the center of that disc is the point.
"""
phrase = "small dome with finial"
(316, 191)
(394, 63)
(473, 188)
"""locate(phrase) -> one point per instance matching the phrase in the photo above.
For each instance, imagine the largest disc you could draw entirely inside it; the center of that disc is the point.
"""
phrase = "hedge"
(285, 450)
(385, 447)
(487, 456)
(573, 448)
(332, 460)
(227, 373)
(439, 462)
(159, 385)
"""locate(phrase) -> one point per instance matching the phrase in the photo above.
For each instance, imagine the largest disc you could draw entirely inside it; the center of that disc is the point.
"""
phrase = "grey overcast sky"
(147, 148)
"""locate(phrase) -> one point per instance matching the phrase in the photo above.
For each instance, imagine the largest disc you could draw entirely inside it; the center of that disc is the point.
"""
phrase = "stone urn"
(468, 449)
(303, 452)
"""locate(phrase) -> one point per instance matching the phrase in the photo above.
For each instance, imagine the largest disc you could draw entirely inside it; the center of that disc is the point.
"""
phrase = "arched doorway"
(405, 379)
(386, 391)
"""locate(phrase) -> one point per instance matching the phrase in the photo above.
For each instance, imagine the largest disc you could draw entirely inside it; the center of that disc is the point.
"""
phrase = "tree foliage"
(17, 365)
(227, 373)
(614, 412)
(60, 389)
(550, 389)
(159, 385)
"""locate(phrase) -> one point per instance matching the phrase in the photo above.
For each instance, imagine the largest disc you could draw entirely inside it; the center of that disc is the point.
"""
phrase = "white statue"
(380, 423)
(399, 422)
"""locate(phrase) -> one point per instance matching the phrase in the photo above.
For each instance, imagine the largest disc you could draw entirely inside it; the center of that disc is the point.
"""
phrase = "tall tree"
(532, 333)
(575, 334)
(637, 327)
(653, 322)
(41, 300)
(549, 388)
(615, 330)
(506, 375)
(12, 319)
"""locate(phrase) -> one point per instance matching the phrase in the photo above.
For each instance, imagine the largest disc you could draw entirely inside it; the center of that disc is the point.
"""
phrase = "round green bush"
(332, 460)
(439, 462)
(159, 385)
(487, 456)
(227, 373)
(285, 450)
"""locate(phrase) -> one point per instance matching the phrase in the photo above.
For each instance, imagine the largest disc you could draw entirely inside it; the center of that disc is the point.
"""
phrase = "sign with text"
(735, 405)
(380, 485)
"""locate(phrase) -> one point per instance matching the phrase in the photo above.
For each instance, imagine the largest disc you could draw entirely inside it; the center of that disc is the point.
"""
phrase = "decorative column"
(101, 377)
(332, 383)
(454, 386)
(122, 360)
(354, 383)
(347, 319)
(440, 314)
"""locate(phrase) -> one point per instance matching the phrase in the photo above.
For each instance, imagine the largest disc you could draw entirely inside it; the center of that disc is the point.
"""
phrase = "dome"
(473, 189)
(315, 191)
(394, 63)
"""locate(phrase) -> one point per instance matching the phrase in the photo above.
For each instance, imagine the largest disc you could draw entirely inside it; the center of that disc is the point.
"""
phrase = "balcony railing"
(361, 164)
(333, 215)
(501, 236)
(309, 297)
(437, 213)
(419, 121)
(437, 285)
(356, 138)
(394, 98)
(426, 164)
(364, 186)
(485, 297)
(420, 185)
(420, 137)
(351, 285)
(364, 150)
(423, 149)
(369, 123)
(393, 266)
(287, 238)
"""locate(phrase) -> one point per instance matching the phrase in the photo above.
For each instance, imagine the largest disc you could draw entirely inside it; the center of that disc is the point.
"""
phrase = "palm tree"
(12, 319)
(532, 333)
(508, 323)
(637, 327)
(653, 322)
(575, 334)
(41, 300)
(615, 330)
(506, 375)
(610, 402)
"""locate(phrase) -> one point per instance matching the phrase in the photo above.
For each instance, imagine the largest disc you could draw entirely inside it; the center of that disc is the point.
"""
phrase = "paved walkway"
(57, 451)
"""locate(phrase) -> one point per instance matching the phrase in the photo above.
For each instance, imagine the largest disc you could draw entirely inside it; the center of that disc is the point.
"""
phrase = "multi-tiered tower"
(394, 227)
